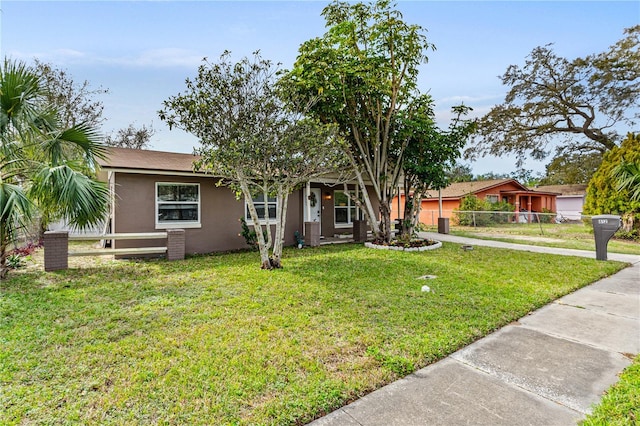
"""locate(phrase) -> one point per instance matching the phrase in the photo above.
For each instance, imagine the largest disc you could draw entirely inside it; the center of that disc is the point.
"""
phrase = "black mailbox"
(604, 226)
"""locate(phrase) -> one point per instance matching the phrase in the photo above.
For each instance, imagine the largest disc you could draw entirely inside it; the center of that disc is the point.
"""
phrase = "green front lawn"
(571, 236)
(215, 340)
(621, 404)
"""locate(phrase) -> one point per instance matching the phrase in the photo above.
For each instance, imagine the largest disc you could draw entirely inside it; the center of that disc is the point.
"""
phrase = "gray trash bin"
(604, 226)
(443, 225)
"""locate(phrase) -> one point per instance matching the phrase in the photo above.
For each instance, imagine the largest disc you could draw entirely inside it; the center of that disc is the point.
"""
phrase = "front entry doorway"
(315, 205)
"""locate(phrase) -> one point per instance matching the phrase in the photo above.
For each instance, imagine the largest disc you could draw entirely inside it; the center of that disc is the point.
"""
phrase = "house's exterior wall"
(328, 227)
(507, 186)
(543, 203)
(220, 213)
(570, 206)
(431, 210)
(430, 206)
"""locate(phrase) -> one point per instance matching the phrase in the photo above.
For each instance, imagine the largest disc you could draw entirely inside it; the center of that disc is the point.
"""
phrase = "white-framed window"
(262, 207)
(177, 205)
(492, 198)
(344, 209)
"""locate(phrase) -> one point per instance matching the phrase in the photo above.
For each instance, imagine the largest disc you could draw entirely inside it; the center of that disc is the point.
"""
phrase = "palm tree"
(627, 175)
(43, 167)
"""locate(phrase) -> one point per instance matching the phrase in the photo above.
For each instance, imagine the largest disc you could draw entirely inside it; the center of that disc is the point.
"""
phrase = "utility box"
(443, 225)
(604, 227)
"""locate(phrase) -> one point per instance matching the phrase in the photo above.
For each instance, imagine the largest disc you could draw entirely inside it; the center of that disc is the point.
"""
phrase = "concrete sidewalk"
(546, 369)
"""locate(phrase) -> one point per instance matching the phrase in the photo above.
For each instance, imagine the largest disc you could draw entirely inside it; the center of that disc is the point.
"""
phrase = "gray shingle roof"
(138, 159)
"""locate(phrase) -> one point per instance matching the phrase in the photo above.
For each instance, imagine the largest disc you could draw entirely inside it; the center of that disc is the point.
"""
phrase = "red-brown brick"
(56, 250)
(175, 244)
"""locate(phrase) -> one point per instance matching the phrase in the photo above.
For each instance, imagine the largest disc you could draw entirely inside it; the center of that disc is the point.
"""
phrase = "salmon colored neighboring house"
(496, 190)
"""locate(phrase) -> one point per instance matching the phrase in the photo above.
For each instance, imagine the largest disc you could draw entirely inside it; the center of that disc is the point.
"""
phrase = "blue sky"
(142, 51)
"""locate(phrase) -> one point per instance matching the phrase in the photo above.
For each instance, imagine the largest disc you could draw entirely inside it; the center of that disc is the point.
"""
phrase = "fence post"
(56, 250)
(175, 244)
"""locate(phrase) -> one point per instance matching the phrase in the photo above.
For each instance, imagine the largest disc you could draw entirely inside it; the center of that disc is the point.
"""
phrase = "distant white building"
(570, 201)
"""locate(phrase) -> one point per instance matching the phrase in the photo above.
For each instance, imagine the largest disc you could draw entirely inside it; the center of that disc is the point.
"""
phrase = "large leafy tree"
(76, 102)
(43, 164)
(363, 72)
(253, 137)
(605, 195)
(460, 172)
(575, 105)
(131, 137)
(430, 153)
(571, 168)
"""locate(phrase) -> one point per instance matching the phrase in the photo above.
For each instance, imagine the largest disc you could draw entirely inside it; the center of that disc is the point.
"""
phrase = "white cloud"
(161, 58)
(154, 58)
(57, 55)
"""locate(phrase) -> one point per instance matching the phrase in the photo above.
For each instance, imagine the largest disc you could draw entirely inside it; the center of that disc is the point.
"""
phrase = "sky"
(142, 51)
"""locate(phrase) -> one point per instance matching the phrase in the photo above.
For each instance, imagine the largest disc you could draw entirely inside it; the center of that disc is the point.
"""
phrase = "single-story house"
(569, 201)
(154, 190)
(508, 190)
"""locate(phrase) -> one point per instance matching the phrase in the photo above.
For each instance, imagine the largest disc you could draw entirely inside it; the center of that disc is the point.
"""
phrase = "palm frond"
(78, 141)
(16, 211)
(80, 199)
(627, 175)
(20, 95)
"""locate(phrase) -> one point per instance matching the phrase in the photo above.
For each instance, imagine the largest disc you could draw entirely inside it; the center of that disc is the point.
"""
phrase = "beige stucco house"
(155, 190)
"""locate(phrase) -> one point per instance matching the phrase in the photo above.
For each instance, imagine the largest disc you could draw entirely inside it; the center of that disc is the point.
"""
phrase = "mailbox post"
(604, 226)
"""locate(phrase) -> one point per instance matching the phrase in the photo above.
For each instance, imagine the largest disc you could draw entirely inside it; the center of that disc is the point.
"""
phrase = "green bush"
(602, 195)
(547, 217)
(250, 235)
(471, 203)
(633, 235)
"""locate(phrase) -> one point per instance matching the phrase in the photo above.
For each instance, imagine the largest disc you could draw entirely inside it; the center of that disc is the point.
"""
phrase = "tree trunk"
(265, 194)
(368, 208)
(42, 227)
(262, 246)
(385, 216)
(408, 214)
(415, 219)
(412, 208)
(278, 243)
(627, 222)
(4, 270)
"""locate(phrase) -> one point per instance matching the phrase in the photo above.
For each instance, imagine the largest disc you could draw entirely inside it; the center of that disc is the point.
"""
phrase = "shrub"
(547, 217)
(633, 235)
(471, 203)
(602, 194)
(250, 235)
(14, 261)
(15, 258)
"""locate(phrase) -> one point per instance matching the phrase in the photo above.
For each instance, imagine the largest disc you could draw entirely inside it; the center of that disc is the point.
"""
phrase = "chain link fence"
(489, 218)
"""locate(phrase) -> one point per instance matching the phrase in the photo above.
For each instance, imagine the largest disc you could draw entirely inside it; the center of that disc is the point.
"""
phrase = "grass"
(215, 340)
(572, 236)
(621, 405)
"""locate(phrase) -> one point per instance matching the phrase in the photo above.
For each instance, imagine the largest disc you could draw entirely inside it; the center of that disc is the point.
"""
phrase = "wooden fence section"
(56, 246)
